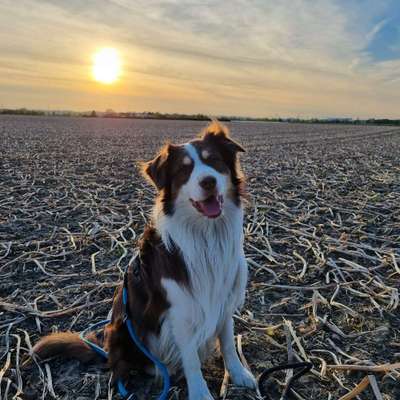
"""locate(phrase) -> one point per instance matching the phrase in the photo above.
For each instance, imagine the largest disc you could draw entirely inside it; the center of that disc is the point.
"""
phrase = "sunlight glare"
(106, 66)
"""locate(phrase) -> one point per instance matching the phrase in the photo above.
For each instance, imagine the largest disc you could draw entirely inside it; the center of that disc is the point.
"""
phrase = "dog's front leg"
(197, 386)
(179, 322)
(239, 375)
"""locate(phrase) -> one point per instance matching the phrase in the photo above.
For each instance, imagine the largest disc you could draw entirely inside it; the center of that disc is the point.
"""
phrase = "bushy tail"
(67, 345)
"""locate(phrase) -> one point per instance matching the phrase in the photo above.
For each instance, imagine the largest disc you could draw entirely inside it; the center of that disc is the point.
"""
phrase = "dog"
(193, 272)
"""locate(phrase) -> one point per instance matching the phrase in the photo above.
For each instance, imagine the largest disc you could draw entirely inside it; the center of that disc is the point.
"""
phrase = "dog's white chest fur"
(213, 254)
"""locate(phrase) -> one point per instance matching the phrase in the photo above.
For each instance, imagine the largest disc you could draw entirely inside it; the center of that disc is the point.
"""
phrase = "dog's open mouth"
(211, 207)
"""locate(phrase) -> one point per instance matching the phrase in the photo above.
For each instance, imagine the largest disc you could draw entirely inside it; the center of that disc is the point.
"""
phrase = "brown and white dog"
(193, 271)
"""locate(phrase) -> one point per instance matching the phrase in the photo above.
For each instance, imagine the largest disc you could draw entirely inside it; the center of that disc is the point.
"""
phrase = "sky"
(296, 58)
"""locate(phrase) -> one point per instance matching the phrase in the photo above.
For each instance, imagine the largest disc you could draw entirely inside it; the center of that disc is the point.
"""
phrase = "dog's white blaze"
(191, 188)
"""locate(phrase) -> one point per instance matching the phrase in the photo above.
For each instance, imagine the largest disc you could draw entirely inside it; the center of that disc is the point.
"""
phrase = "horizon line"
(110, 112)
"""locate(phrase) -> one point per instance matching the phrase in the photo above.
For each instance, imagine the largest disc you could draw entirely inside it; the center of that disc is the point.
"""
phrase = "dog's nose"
(208, 183)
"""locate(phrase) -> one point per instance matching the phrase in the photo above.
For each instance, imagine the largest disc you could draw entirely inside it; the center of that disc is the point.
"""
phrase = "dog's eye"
(184, 168)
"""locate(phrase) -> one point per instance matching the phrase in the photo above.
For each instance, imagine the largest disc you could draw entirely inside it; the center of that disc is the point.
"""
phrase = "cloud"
(376, 29)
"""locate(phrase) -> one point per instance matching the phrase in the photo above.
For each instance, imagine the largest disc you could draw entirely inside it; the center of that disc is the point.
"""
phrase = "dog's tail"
(66, 345)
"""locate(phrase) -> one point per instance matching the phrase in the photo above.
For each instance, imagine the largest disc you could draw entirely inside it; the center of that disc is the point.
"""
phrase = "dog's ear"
(156, 169)
(220, 134)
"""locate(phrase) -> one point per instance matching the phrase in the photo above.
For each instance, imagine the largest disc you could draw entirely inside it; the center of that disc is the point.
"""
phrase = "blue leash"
(132, 333)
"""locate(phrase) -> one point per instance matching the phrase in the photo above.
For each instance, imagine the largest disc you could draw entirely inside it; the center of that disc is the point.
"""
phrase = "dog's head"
(200, 175)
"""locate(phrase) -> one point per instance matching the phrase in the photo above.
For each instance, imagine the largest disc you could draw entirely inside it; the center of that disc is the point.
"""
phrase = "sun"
(106, 66)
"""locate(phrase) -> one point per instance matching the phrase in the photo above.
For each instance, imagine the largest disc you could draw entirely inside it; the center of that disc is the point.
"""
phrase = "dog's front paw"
(201, 395)
(199, 391)
(242, 377)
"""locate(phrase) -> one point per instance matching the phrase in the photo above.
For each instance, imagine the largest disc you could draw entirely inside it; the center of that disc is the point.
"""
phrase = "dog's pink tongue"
(211, 207)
